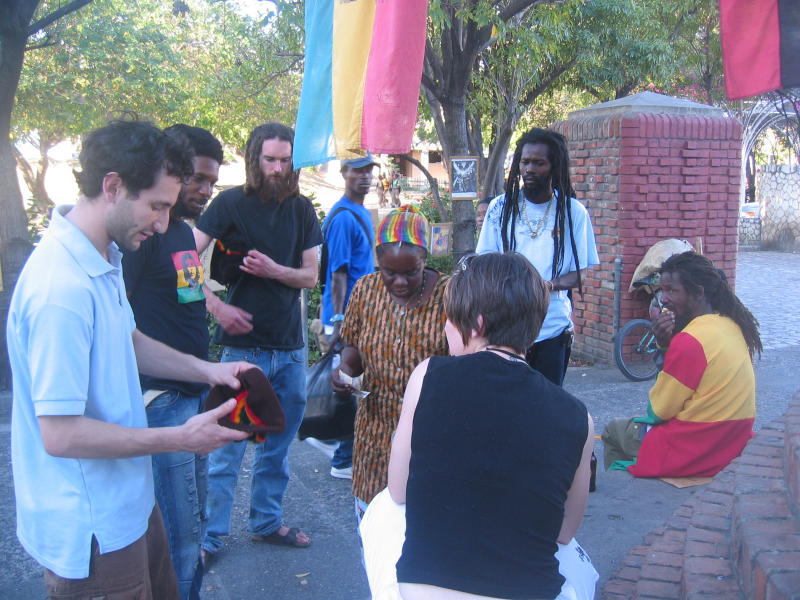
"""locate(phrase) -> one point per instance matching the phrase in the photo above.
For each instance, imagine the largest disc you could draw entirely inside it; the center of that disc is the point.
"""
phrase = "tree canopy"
(85, 61)
(488, 62)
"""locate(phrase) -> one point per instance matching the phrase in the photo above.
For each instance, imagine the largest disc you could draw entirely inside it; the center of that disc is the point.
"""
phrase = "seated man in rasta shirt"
(702, 406)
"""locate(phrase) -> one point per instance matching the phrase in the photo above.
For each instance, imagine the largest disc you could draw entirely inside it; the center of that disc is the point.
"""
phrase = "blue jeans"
(343, 455)
(180, 480)
(287, 374)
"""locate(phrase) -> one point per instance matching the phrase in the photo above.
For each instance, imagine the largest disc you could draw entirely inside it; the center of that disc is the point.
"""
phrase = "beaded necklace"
(540, 223)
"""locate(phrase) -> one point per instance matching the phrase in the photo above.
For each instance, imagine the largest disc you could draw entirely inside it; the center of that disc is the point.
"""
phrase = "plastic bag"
(383, 533)
(655, 256)
(328, 415)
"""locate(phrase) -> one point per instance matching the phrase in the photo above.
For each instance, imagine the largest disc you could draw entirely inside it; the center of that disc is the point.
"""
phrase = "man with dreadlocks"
(702, 406)
(552, 230)
(261, 320)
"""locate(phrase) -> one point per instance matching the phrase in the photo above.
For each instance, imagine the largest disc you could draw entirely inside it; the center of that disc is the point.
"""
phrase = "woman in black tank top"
(490, 458)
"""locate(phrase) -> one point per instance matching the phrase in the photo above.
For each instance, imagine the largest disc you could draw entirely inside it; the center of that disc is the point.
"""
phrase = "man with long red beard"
(261, 319)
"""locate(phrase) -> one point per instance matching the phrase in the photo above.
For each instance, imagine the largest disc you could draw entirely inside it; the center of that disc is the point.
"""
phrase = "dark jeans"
(551, 357)
(343, 455)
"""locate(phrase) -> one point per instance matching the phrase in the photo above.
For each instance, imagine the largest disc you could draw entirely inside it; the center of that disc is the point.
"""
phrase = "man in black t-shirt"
(261, 320)
(164, 280)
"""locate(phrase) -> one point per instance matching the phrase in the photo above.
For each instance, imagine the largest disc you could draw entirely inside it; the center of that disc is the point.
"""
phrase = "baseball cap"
(361, 161)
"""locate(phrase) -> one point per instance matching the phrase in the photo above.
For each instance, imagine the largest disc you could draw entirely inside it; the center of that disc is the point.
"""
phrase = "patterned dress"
(392, 341)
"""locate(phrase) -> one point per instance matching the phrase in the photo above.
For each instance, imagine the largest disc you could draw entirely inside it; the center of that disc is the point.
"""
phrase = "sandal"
(290, 539)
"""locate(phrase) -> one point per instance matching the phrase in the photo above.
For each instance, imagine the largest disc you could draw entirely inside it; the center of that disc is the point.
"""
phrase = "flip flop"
(290, 539)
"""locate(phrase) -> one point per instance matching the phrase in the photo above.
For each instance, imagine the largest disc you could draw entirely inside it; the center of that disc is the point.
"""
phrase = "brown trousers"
(141, 571)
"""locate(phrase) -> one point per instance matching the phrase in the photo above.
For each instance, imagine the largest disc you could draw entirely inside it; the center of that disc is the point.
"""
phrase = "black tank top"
(494, 450)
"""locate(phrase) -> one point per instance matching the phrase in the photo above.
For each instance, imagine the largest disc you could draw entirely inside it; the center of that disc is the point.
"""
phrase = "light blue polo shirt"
(69, 341)
(539, 251)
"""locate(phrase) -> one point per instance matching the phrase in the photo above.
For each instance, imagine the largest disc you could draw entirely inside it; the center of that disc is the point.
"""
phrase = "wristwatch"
(337, 318)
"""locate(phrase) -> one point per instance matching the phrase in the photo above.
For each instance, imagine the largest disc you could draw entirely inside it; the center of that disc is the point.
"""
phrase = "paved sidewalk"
(618, 516)
(768, 283)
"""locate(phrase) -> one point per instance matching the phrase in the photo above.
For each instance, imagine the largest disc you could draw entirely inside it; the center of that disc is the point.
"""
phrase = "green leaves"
(207, 65)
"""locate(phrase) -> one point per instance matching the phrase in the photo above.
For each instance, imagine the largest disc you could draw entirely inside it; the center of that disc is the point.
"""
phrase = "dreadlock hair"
(254, 177)
(698, 275)
(558, 155)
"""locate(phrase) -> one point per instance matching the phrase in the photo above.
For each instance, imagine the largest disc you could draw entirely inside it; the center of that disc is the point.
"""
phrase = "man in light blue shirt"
(552, 230)
(79, 436)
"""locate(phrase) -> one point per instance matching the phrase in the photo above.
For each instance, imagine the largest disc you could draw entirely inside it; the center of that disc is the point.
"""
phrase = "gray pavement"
(618, 515)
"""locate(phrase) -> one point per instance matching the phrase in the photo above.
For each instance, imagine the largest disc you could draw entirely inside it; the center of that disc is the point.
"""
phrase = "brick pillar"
(649, 167)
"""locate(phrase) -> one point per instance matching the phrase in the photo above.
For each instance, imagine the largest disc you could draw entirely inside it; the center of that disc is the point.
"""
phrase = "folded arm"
(567, 281)
(260, 265)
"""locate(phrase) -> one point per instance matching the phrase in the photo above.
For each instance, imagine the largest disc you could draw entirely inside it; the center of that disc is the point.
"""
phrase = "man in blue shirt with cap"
(349, 241)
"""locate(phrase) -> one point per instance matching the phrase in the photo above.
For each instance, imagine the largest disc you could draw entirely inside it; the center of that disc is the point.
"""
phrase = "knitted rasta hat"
(405, 224)
(257, 408)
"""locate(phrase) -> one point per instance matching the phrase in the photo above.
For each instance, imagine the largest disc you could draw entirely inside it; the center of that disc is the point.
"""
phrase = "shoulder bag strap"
(323, 260)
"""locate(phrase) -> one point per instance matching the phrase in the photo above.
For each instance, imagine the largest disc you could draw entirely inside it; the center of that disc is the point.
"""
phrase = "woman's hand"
(339, 386)
(350, 365)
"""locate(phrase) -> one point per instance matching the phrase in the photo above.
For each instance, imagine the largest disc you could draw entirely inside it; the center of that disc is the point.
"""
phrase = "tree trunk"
(35, 178)
(493, 179)
(447, 72)
(456, 143)
(40, 196)
(14, 246)
(14, 243)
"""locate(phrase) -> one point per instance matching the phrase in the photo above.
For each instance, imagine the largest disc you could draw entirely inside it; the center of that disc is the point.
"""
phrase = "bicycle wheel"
(635, 349)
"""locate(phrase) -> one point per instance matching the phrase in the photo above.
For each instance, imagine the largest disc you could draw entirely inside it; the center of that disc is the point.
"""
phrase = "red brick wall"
(646, 177)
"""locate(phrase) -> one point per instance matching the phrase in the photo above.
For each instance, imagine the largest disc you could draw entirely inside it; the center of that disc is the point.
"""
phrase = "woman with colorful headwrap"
(395, 319)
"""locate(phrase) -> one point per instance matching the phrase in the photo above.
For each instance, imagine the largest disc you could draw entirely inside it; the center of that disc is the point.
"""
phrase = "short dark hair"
(201, 140)
(252, 152)
(698, 275)
(137, 151)
(503, 288)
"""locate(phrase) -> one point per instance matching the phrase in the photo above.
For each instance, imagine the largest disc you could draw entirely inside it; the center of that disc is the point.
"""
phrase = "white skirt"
(383, 531)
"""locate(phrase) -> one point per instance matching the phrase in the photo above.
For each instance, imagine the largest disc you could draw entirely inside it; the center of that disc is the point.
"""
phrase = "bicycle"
(635, 345)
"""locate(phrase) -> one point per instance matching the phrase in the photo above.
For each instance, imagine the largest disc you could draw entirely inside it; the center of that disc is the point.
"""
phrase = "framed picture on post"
(464, 177)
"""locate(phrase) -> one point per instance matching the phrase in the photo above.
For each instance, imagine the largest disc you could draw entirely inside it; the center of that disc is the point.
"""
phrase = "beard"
(539, 187)
(681, 321)
(182, 211)
(276, 188)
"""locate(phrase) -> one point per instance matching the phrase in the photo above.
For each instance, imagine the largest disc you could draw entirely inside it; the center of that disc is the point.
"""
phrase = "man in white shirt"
(552, 230)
